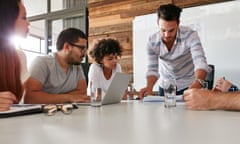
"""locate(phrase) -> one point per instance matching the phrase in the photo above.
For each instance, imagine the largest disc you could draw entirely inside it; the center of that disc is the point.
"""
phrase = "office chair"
(210, 76)
(85, 67)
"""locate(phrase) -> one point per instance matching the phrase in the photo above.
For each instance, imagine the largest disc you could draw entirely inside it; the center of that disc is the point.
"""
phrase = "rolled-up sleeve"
(152, 57)
(198, 54)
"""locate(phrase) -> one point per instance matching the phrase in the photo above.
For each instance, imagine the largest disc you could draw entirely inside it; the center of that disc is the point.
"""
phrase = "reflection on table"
(130, 122)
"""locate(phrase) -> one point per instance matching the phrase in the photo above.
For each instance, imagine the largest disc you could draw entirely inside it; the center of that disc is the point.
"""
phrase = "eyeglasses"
(81, 47)
(51, 109)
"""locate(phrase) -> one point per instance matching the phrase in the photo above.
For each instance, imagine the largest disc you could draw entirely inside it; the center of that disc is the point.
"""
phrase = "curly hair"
(105, 47)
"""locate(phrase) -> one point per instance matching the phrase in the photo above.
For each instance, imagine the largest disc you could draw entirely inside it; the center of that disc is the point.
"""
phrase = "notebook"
(116, 89)
(21, 109)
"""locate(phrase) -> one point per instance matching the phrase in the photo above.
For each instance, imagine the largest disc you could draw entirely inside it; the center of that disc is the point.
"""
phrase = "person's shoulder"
(155, 36)
(44, 58)
(20, 53)
(186, 32)
(95, 66)
(186, 29)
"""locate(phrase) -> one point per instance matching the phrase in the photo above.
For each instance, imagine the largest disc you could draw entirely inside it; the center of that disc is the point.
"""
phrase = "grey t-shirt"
(48, 71)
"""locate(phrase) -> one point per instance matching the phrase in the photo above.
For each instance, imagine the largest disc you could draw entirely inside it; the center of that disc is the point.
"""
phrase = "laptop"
(116, 89)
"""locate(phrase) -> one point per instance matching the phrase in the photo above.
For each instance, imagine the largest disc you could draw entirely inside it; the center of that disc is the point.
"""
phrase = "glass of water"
(96, 94)
(96, 97)
(170, 88)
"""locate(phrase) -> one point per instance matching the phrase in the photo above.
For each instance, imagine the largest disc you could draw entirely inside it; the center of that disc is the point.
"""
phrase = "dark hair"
(10, 67)
(169, 12)
(9, 11)
(105, 47)
(70, 35)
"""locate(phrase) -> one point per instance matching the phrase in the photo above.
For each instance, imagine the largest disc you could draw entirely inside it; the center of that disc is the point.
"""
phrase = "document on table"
(150, 98)
(21, 109)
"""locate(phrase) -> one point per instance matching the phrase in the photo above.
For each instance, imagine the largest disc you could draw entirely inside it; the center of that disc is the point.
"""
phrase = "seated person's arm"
(81, 92)
(224, 85)
(6, 100)
(200, 99)
(35, 94)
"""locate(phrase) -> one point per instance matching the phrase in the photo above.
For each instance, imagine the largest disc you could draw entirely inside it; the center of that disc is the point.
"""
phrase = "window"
(47, 19)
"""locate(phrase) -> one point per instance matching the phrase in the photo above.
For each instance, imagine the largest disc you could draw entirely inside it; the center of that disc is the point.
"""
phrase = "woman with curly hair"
(106, 54)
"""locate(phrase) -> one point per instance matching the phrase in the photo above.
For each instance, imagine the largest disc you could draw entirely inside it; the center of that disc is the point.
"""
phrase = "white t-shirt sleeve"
(24, 71)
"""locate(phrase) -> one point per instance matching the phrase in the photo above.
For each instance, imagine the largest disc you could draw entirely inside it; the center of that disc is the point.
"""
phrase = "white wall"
(219, 30)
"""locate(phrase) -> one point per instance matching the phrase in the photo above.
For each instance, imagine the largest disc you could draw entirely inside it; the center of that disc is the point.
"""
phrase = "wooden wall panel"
(113, 18)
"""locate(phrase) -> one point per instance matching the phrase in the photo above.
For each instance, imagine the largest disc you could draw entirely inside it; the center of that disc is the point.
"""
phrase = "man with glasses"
(174, 52)
(59, 78)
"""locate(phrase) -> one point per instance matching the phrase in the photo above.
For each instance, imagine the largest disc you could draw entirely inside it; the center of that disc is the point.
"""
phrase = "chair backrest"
(85, 67)
(210, 76)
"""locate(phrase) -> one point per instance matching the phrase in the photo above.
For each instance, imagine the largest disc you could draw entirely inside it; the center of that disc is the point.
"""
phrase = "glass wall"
(35, 7)
(47, 19)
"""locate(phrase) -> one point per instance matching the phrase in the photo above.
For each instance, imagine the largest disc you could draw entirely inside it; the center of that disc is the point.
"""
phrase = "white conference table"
(131, 122)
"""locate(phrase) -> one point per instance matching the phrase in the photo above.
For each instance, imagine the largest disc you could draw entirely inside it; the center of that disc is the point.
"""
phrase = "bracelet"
(233, 88)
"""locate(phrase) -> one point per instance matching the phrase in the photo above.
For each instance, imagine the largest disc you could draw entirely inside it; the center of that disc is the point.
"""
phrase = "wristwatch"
(233, 88)
(202, 82)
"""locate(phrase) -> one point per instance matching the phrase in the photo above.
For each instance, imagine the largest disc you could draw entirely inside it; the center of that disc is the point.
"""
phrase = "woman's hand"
(6, 100)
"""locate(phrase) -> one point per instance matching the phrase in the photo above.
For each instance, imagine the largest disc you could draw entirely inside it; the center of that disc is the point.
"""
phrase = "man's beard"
(71, 61)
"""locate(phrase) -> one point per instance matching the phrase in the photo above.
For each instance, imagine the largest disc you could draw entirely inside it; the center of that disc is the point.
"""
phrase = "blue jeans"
(161, 91)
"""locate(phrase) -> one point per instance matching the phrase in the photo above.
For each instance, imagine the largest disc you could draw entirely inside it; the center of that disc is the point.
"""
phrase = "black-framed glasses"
(51, 109)
(81, 47)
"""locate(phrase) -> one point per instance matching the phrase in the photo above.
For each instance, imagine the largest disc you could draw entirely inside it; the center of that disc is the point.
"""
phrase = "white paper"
(150, 98)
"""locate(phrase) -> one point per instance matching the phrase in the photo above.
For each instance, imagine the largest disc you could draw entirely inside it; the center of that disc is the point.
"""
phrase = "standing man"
(59, 78)
(174, 52)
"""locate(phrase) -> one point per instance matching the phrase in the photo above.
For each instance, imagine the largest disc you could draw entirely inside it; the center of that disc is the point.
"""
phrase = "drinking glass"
(169, 87)
(96, 97)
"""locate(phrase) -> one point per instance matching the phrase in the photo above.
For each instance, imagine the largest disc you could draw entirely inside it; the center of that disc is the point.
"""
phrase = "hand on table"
(6, 100)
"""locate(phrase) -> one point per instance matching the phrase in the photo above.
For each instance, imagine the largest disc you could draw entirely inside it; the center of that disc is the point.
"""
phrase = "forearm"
(39, 97)
(79, 92)
(151, 80)
(199, 75)
(82, 94)
(226, 101)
